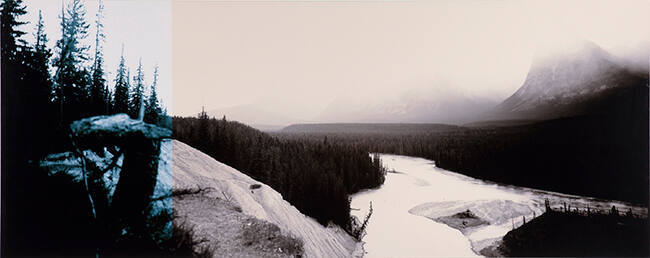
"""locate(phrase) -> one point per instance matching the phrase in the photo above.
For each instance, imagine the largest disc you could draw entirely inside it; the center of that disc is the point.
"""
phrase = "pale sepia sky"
(295, 57)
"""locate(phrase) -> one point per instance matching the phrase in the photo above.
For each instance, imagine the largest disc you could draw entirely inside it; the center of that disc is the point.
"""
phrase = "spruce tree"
(98, 99)
(26, 86)
(12, 111)
(121, 94)
(71, 79)
(108, 101)
(136, 97)
(11, 10)
(41, 55)
(128, 86)
(153, 110)
(14, 51)
(37, 77)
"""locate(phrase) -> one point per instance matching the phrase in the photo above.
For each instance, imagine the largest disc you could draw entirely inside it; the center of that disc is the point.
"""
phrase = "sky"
(143, 26)
(294, 58)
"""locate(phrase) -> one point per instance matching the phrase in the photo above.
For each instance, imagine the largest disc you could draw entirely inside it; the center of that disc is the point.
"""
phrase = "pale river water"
(393, 231)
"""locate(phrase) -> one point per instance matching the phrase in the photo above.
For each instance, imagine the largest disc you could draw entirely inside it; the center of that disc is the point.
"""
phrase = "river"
(416, 192)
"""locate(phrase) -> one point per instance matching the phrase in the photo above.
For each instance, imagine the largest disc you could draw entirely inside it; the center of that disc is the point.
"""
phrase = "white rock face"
(193, 169)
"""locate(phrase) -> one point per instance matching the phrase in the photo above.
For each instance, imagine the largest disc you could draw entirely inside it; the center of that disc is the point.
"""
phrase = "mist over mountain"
(577, 79)
(434, 105)
(581, 79)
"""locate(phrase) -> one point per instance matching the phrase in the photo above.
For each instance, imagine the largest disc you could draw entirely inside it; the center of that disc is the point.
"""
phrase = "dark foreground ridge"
(556, 233)
(103, 198)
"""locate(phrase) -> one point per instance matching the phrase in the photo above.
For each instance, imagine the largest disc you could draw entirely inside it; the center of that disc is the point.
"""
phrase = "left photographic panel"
(86, 128)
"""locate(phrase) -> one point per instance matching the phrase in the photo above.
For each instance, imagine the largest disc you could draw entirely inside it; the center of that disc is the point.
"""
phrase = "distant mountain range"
(581, 79)
(585, 80)
(417, 106)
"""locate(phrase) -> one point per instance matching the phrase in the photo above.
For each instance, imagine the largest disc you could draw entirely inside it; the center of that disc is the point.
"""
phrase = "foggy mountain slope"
(584, 80)
(193, 169)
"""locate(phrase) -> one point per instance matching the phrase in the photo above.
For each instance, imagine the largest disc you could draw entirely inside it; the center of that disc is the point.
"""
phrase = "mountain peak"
(566, 82)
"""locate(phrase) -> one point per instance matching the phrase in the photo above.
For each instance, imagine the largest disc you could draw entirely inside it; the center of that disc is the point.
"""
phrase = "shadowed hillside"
(572, 234)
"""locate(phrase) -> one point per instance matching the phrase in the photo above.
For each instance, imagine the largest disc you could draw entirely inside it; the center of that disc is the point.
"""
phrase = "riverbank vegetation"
(575, 234)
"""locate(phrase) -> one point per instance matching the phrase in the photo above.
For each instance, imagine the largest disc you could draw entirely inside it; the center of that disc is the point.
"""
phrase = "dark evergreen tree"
(109, 100)
(41, 57)
(153, 111)
(38, 83)
(11, 78)
(203, 132)
(71, 78)
(98, 94)
(26, 83)
(121, 94)
(128, 81)
(11, 10)
(136, 98)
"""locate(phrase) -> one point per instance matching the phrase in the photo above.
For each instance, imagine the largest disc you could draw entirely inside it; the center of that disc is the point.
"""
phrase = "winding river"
(416, 192)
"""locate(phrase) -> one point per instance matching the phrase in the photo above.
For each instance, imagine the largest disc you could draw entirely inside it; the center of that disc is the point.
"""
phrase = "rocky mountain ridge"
(583, 80)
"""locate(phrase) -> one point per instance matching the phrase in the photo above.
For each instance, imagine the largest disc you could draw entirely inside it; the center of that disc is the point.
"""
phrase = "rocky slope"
(226, 212)
(219, 227)
(227, 188)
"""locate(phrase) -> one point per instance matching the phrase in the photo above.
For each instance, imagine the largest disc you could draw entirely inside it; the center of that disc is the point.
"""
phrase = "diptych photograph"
(317, 128)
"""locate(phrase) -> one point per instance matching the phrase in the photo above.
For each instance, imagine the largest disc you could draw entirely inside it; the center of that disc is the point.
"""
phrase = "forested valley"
(604, 157)
(314, 176)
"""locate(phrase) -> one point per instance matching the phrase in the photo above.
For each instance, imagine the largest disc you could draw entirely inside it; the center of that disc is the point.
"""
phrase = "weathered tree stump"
(140, 143)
